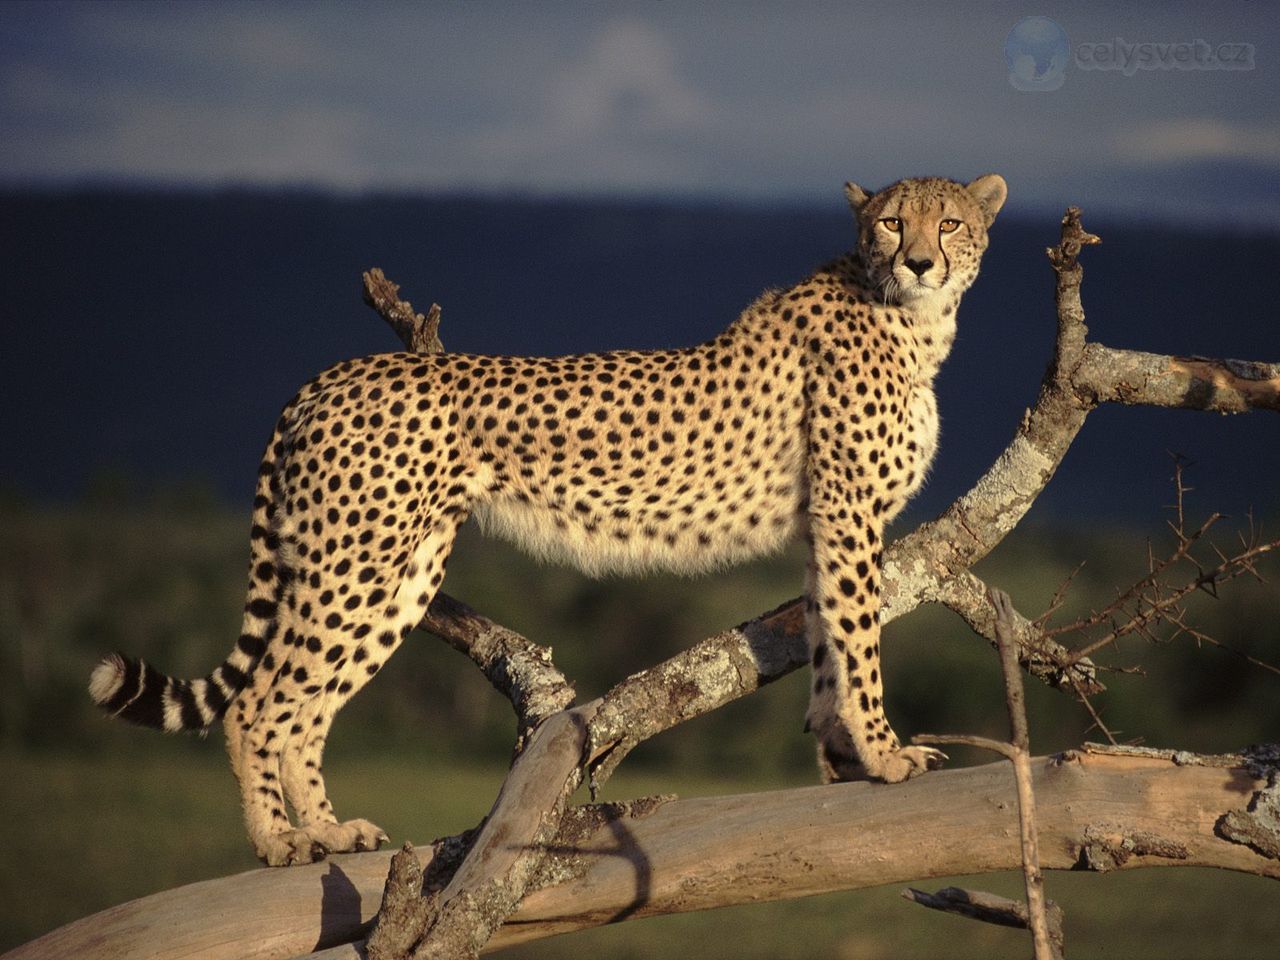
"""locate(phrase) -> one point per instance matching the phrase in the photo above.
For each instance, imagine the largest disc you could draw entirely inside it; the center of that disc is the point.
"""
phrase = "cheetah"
(812, 415)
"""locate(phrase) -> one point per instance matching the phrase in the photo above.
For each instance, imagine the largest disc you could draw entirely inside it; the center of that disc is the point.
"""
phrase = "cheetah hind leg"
(304, 787)
(307, 714)
(273, 764)
(281, 750)
(275, 771)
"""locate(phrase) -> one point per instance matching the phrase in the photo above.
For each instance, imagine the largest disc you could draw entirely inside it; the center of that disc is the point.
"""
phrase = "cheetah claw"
(908, 762)
(291, 848)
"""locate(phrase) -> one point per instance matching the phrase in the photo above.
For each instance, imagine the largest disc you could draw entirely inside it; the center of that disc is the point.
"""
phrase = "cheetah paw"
(289, 848)
(838, 764)
(908, 762)
(351, 836)
(313, 842)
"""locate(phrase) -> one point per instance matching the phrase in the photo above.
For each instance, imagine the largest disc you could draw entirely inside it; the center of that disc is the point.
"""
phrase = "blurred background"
(190, 191)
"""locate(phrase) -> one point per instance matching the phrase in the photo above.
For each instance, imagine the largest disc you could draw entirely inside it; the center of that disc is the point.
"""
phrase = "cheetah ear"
(990, 191)
(856, 196)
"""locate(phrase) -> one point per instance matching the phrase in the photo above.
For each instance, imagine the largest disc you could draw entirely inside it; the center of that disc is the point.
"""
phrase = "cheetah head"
(921, 240)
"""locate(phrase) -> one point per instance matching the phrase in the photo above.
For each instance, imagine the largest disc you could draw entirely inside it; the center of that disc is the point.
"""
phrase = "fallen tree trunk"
(1095, 811)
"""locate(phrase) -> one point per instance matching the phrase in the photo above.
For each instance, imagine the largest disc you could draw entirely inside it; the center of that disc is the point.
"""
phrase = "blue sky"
(772, 102)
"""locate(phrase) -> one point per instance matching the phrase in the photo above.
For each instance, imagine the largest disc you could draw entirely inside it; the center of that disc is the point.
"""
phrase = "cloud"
(729, 100)
(1200, 138)
(627, 79)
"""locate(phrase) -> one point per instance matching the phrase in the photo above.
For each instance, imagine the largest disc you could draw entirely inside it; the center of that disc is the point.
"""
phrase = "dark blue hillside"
(157, 334)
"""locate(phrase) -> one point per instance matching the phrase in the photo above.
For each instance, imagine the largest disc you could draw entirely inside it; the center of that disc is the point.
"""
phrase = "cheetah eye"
(949, 225)
(892, 224)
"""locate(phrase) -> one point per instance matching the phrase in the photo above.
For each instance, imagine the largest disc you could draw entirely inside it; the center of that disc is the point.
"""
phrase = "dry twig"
(990, 908)
(1018, 752)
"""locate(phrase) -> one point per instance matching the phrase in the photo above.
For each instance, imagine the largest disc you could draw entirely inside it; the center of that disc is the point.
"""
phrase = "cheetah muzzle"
(812, 415)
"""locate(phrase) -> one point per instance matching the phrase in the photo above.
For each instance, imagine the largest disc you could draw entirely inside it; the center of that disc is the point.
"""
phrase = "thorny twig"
(1083, 697)
(1153, 601)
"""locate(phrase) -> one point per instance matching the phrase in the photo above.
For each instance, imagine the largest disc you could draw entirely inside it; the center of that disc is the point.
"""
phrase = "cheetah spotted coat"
(811, 416)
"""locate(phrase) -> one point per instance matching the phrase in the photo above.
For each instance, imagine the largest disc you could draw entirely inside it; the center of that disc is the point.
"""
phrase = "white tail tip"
(106, 678)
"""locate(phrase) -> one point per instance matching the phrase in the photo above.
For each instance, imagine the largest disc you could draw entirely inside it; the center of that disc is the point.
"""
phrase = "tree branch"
(518, 668)
(496, 873)
(1193, 383)
(418, 333)
(696, 854)
(989, 908)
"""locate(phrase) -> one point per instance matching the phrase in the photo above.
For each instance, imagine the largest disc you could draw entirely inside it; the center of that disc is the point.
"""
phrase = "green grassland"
(97, 813)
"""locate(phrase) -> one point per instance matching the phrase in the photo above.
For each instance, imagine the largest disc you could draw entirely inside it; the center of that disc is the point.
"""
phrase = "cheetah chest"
(923, 422)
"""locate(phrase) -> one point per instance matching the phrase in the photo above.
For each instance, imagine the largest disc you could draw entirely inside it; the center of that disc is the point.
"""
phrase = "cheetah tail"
(133, 690)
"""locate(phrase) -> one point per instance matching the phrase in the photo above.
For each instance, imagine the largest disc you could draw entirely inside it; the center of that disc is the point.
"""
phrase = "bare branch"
(708, 675)
(989, 908)
(1153, 600)
(1083, 697)
(1108, 375)
(1041, 656)
(1015, 699)
(518, 668)
(510, 847)
(418, 333)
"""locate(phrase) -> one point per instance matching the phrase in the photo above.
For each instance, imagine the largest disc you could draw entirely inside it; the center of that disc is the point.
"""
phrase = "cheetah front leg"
(846, 707)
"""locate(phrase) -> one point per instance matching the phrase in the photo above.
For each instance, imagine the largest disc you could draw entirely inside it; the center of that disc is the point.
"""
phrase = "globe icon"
(1037, 52)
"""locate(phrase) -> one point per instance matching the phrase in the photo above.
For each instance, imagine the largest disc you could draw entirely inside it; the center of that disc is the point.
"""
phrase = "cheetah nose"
(918, 267)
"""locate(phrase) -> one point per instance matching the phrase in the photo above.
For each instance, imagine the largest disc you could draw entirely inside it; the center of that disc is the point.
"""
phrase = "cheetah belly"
(627, 535)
